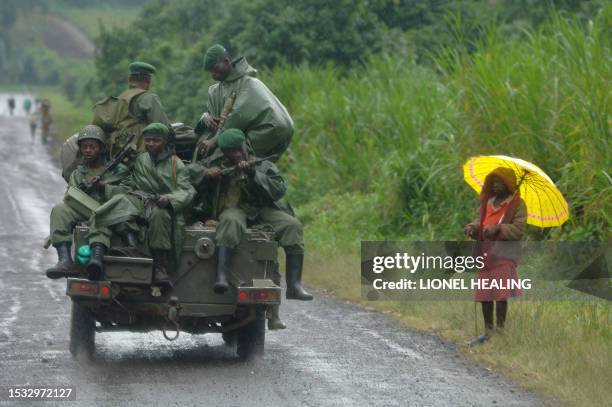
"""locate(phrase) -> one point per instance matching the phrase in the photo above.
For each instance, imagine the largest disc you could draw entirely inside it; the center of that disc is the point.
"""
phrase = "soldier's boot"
(95, 268)
(224, 256)
(160, 261)
(293, 275)
(274, 321)
(64, 266)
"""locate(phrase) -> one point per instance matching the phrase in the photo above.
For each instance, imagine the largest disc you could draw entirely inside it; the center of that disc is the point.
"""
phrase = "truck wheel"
(229, 338)
(82, 331)
(251, 338)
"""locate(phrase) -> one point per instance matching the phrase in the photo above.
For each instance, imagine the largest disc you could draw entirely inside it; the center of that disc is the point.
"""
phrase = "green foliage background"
(389, 97)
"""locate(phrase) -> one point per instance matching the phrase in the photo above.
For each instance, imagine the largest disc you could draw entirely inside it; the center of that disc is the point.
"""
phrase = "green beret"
(156, 130)
(231, 139)
(139, 67)
(213, 55)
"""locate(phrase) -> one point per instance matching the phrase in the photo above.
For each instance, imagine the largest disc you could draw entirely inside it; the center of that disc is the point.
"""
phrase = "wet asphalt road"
(333, 354)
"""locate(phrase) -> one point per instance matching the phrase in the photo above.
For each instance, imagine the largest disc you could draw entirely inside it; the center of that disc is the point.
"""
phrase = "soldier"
(46, 119)
(64, 218)
(157, 193)
(131, 111)
(27, 105)
(34, 119)
(256, 111)
(252, 193)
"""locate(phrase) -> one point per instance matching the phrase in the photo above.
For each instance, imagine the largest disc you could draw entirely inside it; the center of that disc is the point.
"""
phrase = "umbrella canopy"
(546, 206)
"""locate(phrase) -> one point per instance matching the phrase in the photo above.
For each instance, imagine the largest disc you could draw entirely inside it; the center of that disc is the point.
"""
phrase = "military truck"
(125, 299)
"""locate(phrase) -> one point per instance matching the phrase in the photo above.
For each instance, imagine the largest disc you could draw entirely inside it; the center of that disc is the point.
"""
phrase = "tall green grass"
(392, 136)
(378, 154)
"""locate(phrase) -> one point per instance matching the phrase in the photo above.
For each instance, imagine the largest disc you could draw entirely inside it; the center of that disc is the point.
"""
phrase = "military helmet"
(92, 132)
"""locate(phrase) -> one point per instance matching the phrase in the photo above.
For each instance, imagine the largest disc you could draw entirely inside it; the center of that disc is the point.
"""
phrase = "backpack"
(114, 116)
(69, 156)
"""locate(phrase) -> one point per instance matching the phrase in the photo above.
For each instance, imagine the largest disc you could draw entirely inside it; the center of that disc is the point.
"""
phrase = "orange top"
(493, 215)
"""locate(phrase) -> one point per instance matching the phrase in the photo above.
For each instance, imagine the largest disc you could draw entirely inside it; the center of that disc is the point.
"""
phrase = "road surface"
(333, 354)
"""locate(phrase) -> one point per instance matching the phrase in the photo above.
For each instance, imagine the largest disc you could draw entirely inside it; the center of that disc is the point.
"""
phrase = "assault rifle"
(126, 152)
(227, 171)
(146, 198)
(227, 108)
(233, 168)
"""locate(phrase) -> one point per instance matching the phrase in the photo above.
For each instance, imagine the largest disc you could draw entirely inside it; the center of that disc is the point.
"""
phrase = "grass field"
(562, 350)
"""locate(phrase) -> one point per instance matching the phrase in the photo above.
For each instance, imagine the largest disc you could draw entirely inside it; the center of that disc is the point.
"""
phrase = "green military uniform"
(256, 111)
(251, 195)
(163, 175)
(130, 112)
(254, 198)
(63, 217)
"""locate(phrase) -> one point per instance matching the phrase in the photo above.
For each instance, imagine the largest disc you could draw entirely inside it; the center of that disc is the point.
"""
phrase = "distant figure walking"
(11, 104)
(34, 119)
(27, 105)
(45, 110)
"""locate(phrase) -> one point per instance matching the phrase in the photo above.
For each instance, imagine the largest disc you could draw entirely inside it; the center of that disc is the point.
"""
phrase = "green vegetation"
(384, 124)
(560, 349)
(90, 20)
(37, 49)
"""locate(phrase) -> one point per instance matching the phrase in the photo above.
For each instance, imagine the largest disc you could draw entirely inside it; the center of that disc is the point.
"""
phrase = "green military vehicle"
(126, 300)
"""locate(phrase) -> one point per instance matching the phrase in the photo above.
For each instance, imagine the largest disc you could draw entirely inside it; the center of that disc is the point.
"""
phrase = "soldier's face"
(235, 155)
(90, 150)
(155, 145)
(221, 69)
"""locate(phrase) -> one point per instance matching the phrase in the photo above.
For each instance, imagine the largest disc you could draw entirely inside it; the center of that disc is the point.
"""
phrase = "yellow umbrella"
(546, 206)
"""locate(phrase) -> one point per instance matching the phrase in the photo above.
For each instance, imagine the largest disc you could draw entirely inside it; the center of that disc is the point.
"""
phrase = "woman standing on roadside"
(502, 217)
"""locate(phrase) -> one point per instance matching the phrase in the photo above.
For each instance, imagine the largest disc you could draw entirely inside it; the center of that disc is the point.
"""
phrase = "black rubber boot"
(95, 268)
(224, 256)
(160, 261)
(64, 266)
(293, 275)
(274, 321)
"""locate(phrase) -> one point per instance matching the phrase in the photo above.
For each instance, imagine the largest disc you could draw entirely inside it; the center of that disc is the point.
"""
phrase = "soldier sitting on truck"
(132, 110)
(250, 191)
(64, 216)
(156, 193)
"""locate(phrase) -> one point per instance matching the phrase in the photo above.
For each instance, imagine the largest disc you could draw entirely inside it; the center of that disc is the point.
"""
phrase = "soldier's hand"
(214, 173)
(207, 146)
(163, 201)
(245, 166)
(210, 121)
(99, 185)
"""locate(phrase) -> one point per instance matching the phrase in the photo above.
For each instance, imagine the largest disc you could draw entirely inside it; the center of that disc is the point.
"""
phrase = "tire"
(252, 337)
(229, 338)
(82, 331)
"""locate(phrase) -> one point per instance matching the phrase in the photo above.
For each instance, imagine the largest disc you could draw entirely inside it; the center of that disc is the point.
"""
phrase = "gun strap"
(174, 158)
